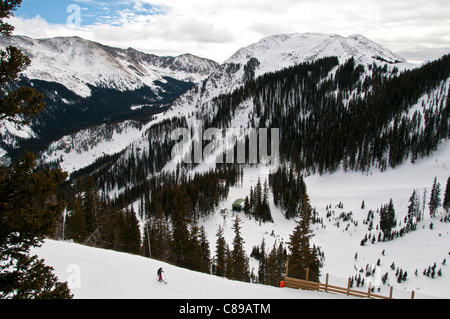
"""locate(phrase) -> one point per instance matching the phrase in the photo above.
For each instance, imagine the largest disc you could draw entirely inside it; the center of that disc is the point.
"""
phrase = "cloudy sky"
(215, 29)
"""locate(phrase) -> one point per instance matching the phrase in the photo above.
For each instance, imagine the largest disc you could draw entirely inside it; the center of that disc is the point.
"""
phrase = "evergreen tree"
(160, 238)
(29, 207)
(258, 203)
(413, 212)
(205, 252)
(266, 215)
(120, 230)
(132, 234)
(281, 262)
(91, 205)
(220, 261)
(32, 279)
(180, 221)
(194, 258)
(302, 256)
(29, 210)
(387, 219)
(276, 265)
(424, 201)
(288, 189)
(18, 105)
(240, 266)
(271, 267)
(146, 240)
(435, 198)
(247, 206)
(262, 270)
(229, 269)
(76, 223)
(252, 201)
(111, 229)
(446, 203)
(257, 209)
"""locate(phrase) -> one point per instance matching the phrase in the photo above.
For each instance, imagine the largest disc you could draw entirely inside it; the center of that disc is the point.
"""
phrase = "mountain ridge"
(281, 51)
(76, 62)
(233, 74)
(86, 83)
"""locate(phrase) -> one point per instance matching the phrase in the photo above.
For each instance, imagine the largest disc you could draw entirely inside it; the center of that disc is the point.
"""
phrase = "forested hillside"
(330, 117)
(347, 117)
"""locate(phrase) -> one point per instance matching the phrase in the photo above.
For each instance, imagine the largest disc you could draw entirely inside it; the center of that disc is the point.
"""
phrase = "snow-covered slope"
(9, 135)
(77, 63)
(340, 239)
(78, 150)
(416, 251)
(102, 274)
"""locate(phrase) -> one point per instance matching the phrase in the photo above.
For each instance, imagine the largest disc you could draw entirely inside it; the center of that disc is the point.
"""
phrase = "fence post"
(326, 284)
(307, 274)
(368, 290)
(412, 294)
(390, 292)
(348, 287)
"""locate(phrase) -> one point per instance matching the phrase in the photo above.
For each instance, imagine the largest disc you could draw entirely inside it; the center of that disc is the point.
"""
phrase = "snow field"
(417, 250)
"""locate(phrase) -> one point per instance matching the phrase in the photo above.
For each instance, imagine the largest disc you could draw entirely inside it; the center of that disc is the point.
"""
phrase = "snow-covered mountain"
(268, 55)
(277, 52)
(88, 84)
(77, 63)
(284, 50)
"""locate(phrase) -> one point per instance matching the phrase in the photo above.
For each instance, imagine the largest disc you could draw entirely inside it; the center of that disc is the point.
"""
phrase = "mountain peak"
(283, 50)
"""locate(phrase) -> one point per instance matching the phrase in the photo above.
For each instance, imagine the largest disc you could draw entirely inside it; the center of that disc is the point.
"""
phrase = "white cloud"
(216, 29)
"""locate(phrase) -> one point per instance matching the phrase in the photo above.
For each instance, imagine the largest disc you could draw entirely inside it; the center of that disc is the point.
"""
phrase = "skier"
(160, 272)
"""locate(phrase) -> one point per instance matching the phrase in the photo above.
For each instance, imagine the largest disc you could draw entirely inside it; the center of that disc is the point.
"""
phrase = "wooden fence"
(326, 287)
